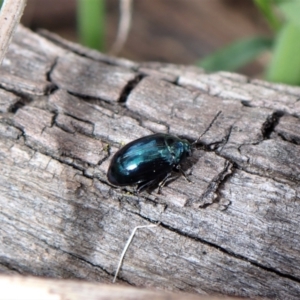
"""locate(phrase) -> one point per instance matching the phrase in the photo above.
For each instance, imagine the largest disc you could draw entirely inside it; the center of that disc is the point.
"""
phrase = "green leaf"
(236, 54)
(291, 11)
(90, 22)
(266, 8)
(285, 63)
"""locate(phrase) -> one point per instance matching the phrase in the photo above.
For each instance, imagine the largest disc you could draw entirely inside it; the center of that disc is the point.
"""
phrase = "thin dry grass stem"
(127, 245)
(124, 26)
(10, 15)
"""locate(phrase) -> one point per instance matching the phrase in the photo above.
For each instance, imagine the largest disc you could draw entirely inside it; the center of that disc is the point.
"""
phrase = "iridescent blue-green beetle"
(148, 161)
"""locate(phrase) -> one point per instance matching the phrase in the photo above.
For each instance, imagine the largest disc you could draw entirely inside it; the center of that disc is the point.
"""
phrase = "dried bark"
(65, 110)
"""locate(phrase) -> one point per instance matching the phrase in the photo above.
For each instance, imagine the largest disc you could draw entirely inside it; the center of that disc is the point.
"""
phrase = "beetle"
(148, 161)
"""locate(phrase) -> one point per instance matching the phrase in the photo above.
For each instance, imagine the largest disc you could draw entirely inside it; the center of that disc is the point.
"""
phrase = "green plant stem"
(285, 64)
(91, 23)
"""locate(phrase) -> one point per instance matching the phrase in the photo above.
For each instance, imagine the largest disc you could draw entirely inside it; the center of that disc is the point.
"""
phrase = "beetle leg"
(179, 169)
(145, 184)
(161, 182)
(164, 181)
(185, 176)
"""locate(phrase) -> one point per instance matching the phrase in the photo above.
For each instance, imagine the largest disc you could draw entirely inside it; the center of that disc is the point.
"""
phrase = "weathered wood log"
(65, 110)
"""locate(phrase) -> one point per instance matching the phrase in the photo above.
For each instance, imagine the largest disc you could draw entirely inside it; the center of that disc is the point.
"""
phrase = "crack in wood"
(10, 266)
(87, 262)
(269, 125)
(129, 87)
(213, 190)
(210, 125)
(48, 73)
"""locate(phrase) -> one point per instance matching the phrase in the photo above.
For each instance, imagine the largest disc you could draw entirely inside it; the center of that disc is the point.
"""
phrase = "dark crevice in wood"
(16, 106)
(53, 121)
(48, 76)
(269, 174)
(73, 165)
(9, 90)
(24, 94)
(120, 278)
(216, 185)
(51, 88)
(20, 128)
(122, 110)
(269, 125)
(78, 164)
(24, 99)
(116, 108)
(225, 141)
(88, 98)
(175, 81)
(212, 147)
(112, 106)
(9, 266)
(107, 156)
(246, 103)
(85, 261)
(129, 87)
(290, 140)
(209, 126)
(264, 173)
(79, 119)
(65, 129)
(77, 129)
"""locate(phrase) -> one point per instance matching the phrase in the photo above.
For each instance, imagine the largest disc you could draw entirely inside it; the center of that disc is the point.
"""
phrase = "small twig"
(127, 245)
(10, 15)
(124, 26)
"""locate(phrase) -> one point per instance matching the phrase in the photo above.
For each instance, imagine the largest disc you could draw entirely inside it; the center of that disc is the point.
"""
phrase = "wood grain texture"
(233, 230)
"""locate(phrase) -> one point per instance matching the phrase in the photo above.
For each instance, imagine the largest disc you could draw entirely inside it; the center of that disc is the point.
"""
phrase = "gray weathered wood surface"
(234, 230)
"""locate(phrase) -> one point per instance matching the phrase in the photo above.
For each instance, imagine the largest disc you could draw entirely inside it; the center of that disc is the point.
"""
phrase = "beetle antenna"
(208, 127)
